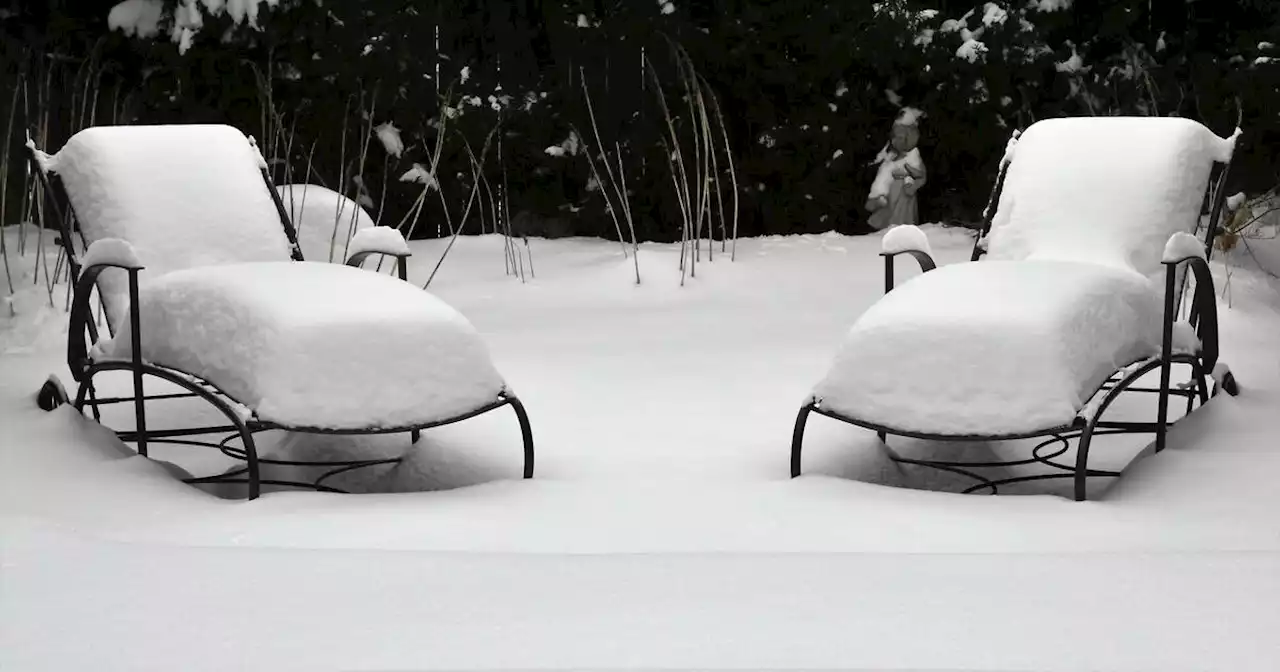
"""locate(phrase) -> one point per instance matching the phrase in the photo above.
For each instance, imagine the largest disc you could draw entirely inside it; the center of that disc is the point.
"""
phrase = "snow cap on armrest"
(1227, 146)
(47, 163)
(1010, 146)
(384, 239)
(905, 238)
(111, 252)
(1182, 246)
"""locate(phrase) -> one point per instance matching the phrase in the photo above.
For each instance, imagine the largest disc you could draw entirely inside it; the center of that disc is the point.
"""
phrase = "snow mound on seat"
(324, 219)
(182, 196)
(1106, 190)
(992, 347)
(312, 344)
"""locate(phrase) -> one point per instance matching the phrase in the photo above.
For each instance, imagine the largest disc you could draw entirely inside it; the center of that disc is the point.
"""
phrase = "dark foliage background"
(808, 91)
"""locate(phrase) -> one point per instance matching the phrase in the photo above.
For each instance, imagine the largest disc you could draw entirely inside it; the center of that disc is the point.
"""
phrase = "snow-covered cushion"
(181, 195)
(993, 347)
(1106, 190)
(313, 344)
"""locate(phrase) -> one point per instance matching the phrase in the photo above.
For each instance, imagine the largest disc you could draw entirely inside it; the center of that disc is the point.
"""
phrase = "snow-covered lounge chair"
(1077, 298)
(189, 246)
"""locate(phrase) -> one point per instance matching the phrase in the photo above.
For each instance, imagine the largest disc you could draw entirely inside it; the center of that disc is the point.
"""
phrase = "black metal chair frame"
(1203, 317)
(241, 424)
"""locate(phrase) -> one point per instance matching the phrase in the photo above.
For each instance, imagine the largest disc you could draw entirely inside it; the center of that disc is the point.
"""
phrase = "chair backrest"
(1108, 190)
(182, 195)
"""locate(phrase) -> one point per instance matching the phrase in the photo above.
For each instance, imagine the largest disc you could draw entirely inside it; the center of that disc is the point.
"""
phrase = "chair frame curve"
(241, 423)
(1197, 389)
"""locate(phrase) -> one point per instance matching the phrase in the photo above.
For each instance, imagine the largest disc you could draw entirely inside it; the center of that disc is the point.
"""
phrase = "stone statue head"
(906, 130)
(904, 137)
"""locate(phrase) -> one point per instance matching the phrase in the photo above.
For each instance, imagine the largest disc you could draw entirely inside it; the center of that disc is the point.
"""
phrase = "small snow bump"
(971, 50)
(905, 238)
(384, 239)
(419, 173)
(389, 135)
(111, 252)
(1182, 246)
(993, 14)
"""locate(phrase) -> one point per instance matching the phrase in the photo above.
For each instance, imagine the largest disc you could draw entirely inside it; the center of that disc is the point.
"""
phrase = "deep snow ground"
(662, 416)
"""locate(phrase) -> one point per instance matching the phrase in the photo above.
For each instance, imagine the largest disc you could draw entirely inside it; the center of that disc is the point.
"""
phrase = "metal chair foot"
(52, 394)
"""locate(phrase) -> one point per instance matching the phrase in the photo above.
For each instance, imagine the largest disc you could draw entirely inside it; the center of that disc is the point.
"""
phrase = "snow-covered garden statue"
(892, 199)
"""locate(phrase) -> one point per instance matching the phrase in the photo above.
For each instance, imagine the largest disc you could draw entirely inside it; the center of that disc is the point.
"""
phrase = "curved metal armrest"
(82, 313)
(402, 261)
(1204, 307)
(926, 264)
(380, 240)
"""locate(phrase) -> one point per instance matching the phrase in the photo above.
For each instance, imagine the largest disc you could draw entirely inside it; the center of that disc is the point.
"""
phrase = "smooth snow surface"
(181, 195)
(1105, 190)
(905, 238)
(313, 344)
(661, 529)
(1181, 246)
(991, 347)
(382, 239)
(324, 220)
(370, 610)
(111, 251)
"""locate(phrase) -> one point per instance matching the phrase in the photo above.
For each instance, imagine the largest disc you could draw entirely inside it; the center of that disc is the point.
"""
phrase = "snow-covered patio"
(661, 529)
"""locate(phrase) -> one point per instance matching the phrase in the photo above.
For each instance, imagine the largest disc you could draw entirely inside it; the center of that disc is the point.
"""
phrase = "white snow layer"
(905, 238)
(324, 220)
(884, 174)
(111, 251)
(384, 239)
(181, 195)
(1182, 245)
(314, 344)
(1105, 190)
(992, 347)
(139, 18)
(389, 136)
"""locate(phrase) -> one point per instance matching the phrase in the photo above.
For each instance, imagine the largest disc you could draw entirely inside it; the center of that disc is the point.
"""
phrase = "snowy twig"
(631, 225)
(620, 190)
(675, 162)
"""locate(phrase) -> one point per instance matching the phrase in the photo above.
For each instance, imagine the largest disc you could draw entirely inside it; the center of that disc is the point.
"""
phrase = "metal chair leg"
(797, 438)
(526, 434)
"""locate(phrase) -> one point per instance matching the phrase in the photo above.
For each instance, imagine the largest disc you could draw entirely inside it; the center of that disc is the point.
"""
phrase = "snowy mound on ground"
(1106, 190)
(325, 220)
(992, 347)
(182, 196)
(316, 344)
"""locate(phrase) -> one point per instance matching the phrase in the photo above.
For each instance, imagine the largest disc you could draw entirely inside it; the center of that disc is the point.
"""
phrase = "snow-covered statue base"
(901, 172)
